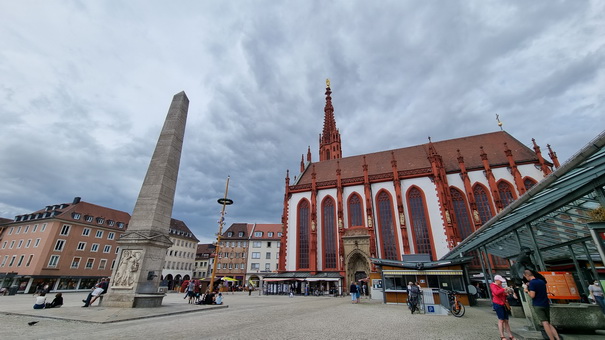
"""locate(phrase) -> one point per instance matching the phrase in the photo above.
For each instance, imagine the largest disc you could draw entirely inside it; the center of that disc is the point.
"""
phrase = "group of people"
(210, 298)
(536, 289)
(41, 303)
(355, 291)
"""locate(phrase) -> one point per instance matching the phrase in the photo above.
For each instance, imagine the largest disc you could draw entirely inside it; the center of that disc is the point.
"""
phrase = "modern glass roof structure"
(550, 218)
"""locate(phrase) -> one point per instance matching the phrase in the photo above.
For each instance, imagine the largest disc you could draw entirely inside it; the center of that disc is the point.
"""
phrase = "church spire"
(329, 140)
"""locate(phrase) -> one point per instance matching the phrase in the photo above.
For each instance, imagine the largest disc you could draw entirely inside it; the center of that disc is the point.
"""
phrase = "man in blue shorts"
(536, 289)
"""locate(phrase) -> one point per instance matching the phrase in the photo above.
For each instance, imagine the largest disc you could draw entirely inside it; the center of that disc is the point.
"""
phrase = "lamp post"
(224, 202)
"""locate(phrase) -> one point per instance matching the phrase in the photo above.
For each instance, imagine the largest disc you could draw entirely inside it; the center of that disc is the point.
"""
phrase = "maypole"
(221, 222)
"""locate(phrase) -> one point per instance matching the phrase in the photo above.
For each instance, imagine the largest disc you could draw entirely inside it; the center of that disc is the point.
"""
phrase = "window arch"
(420, 226)
(483, 203)
(506, 192)
(303, 221)
(328, 227)
(355, 209)
(386, 226)
(465, 227)
(529, 182)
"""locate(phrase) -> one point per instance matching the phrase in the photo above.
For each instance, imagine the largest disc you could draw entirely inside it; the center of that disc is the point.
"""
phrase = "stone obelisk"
(136, 275)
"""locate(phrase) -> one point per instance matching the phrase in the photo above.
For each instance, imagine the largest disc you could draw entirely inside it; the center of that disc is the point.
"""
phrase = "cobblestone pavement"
(253, 317)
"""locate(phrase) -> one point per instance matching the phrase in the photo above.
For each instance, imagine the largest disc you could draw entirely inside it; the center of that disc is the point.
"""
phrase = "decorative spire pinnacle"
(309, 154)
(553, 156)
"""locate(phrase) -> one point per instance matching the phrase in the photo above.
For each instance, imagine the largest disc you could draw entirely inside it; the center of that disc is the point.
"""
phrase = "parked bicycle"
(456, 307)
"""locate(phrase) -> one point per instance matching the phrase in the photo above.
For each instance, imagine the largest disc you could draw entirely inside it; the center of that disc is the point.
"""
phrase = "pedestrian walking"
(413, 294)
(499, 304)
(536, 289)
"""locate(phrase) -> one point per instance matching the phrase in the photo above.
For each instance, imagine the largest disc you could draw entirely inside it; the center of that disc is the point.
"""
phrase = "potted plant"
(597, 215)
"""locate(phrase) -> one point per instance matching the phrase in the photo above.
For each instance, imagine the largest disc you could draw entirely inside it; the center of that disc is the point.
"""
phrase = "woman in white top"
(596, 293)
(40, 301)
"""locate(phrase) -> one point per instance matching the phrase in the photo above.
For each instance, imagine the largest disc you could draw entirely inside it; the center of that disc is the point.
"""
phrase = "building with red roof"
(341, 212)
(69, 246)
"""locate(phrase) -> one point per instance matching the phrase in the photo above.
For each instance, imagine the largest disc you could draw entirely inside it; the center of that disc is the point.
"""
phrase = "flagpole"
(221, 222)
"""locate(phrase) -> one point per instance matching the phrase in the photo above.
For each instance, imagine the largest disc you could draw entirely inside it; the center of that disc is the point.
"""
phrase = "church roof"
(415, 158)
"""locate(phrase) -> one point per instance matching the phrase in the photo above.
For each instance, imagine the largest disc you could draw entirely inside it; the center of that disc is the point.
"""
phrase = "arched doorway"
(254, 280)
(177, 282)
(170, 281)
(358, 266)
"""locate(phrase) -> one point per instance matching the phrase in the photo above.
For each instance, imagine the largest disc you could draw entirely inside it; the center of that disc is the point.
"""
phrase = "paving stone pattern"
(247, 317)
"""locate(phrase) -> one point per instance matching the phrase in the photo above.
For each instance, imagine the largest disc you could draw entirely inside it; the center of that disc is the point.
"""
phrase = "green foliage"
(597, 215)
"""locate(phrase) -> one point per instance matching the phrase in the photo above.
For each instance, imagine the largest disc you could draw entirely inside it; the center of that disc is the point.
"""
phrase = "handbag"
(507, 306)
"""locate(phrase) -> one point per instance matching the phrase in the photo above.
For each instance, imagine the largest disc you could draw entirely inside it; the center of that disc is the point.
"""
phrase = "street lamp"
(224, 202)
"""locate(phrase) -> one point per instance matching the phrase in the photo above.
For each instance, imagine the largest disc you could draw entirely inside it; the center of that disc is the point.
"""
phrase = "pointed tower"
(136, 275)
(329, 139)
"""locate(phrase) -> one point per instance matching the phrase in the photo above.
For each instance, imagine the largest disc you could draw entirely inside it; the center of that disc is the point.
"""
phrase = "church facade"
(341, 212)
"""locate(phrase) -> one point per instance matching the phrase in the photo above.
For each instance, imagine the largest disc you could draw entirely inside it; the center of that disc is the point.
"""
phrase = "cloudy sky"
(85, 87)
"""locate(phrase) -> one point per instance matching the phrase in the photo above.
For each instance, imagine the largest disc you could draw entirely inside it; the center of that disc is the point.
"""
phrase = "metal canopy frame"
(552, 216)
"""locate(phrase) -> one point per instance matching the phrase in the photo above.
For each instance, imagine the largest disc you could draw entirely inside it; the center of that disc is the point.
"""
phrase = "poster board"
(561, 285)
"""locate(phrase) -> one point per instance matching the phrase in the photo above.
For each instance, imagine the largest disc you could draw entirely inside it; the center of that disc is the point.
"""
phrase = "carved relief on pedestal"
(128, 268)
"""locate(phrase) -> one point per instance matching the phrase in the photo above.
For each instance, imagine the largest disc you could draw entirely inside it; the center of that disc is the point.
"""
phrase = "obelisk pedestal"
(136, 276)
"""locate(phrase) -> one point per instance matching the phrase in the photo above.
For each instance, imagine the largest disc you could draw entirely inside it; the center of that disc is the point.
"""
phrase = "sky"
(85, 87)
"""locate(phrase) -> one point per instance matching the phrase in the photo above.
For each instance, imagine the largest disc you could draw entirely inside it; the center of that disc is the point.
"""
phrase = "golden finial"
(499, 122)
(327, 82)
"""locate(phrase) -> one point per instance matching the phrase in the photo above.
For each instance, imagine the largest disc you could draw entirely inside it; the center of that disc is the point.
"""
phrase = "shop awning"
(276, 280)
(421, 272)
(314, 279)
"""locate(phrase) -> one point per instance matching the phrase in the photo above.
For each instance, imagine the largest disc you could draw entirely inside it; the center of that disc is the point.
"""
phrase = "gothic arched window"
(506, 193)
(355, 211)
(483, 206)
(386, 227)
(420, 226)
(328, 226)
(303, 234)
(461, 212)
(529, 183)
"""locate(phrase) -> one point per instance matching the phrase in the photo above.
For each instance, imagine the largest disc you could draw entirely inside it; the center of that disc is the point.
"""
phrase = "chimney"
(76, 200)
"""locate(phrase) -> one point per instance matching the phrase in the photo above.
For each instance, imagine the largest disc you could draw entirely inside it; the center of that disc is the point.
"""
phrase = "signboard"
(561, 285)
(430, 309)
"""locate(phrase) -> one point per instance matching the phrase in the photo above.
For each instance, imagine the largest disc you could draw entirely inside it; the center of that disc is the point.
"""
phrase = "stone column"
(136, 275)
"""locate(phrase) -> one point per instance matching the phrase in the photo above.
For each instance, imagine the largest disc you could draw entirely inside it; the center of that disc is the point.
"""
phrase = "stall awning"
(421, 272)
(314, 279)
(275, 280)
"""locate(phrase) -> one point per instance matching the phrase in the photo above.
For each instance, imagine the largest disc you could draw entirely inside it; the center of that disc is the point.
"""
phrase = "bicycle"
(456, 307)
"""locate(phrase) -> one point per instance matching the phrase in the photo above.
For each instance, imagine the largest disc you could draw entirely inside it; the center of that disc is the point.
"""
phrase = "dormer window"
(258, 234)
(241, 234)
(270, 234)
(120, 225)
(230, 234)
(111, 223)
(88, 218)
(100, 220)
(75, 216)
